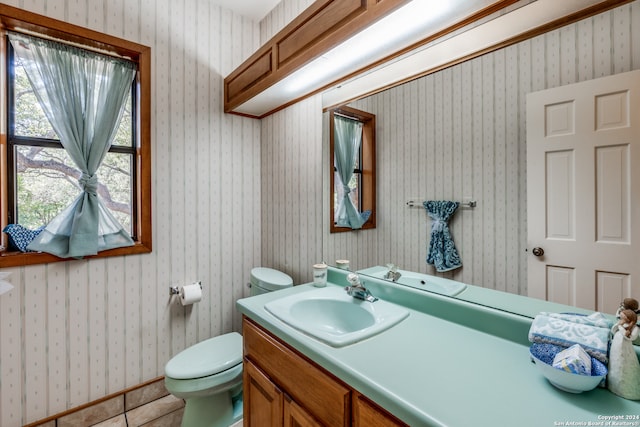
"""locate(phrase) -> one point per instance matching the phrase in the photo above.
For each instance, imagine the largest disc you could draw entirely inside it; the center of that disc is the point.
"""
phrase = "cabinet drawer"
(322, 396)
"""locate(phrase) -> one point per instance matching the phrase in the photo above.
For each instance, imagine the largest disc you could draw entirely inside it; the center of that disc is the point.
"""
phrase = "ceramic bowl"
(543, 355)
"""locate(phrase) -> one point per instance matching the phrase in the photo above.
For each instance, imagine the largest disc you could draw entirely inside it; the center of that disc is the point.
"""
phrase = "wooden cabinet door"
(263, 400)
(296, 416)
(321, 395)
(368, 414)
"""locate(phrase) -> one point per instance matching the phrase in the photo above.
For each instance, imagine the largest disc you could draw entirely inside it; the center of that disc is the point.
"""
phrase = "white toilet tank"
(265, 280)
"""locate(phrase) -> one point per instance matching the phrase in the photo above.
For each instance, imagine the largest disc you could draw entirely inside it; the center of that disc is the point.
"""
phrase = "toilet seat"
(206, 358)
(205, 386)
(206, 368)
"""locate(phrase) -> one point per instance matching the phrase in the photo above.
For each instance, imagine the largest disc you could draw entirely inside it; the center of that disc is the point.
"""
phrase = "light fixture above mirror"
(352, 48)
(335, 39)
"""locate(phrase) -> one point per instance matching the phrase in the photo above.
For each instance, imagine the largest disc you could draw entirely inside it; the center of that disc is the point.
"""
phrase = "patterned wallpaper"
(76, 331)
(291, 179)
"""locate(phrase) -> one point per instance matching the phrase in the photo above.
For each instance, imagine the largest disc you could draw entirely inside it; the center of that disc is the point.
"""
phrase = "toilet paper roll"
(190, 294)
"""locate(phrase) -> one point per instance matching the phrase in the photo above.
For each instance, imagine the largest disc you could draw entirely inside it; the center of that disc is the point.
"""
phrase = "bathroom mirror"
(460, 134)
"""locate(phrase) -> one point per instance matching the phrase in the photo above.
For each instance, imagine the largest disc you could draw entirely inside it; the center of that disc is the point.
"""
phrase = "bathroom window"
(357, 129)
(38, 177)
(44, 181)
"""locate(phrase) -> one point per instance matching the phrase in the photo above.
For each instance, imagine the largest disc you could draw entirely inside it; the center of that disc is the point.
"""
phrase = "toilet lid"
(206, 358)
(270, 279)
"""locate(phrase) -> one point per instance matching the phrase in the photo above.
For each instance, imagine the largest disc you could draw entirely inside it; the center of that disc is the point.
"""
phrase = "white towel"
(565, 330)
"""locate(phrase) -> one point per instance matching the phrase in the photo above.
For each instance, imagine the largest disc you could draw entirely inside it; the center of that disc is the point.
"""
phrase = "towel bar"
(469, 204)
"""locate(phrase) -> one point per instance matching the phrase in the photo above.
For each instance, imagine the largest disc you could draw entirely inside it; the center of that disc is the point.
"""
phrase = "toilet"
(265, 280)
(208, 375)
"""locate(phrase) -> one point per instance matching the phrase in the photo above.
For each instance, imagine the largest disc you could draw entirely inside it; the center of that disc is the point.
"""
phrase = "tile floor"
(149, 405)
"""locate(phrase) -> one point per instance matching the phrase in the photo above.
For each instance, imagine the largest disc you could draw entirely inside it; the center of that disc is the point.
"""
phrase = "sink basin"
(445, 288)
(424, 282)
(335, 318)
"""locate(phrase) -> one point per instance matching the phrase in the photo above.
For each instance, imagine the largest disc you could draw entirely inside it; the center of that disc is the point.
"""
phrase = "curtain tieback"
(346, 189)
(89, 183)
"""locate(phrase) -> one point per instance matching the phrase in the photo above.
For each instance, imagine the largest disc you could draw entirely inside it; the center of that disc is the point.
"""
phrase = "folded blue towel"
(594, 319)
(566, 330)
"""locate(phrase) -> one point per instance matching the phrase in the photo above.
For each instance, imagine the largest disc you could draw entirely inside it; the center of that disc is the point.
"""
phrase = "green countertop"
(450, 363)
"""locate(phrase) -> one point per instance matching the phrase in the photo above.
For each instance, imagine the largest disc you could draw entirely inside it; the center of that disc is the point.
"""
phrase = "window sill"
(369, 225)
(17, 259)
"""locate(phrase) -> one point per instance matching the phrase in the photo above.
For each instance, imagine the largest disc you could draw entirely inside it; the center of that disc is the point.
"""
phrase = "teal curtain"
(346, 148)
(82, 94)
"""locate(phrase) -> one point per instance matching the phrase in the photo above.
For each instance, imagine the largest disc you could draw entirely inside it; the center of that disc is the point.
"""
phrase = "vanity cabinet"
(284, 388)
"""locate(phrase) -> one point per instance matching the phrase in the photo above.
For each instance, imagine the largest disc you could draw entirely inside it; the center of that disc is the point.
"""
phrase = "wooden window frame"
(18, 20)
(368, 166)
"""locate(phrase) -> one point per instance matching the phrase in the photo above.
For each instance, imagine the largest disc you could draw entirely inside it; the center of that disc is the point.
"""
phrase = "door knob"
(538, 251)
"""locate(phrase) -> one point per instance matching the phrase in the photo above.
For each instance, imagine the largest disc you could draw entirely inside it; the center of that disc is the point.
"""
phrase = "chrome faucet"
(357, 289)
(393, 274)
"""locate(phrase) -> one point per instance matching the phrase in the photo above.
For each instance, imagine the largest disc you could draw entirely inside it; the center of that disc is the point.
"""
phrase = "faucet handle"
(354, 279)
(392, 267)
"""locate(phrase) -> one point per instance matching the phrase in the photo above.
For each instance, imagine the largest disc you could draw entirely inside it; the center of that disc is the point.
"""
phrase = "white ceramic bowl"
(568, 381)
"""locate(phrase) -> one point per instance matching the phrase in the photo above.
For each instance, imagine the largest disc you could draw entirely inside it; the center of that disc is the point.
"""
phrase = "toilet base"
(238, 408)
(221, 411)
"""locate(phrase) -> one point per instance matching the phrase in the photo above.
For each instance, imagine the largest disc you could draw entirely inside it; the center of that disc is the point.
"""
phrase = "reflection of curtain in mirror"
(83, 96)
(347, 141)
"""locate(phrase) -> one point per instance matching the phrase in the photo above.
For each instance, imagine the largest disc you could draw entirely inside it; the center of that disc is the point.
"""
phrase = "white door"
(583, 192)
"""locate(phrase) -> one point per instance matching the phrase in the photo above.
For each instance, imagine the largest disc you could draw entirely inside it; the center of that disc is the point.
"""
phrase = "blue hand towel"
(20, 237)
(442, 251)
(565, 330)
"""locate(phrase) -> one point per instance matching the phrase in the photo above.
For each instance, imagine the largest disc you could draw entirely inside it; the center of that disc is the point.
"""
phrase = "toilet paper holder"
(175, 290)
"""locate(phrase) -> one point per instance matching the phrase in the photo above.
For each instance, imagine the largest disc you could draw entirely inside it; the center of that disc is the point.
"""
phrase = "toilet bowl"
(208, 375)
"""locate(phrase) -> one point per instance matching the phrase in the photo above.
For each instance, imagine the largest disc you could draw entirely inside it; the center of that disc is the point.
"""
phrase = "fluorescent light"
(409, 24)
(401, 28)
(491, 33)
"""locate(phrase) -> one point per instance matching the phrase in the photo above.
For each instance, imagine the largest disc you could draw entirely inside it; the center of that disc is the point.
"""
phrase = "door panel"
(561, 284)
(612, 194)
(611, 288)
(583, 192)
(560, 195)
